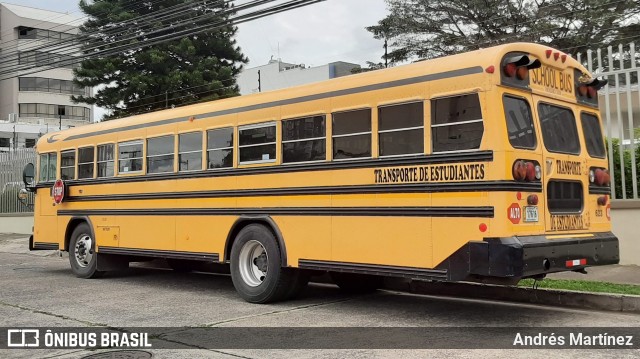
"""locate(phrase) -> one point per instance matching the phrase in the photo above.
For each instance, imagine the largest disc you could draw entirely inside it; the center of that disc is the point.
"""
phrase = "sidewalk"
(621, 274)
(627, 274)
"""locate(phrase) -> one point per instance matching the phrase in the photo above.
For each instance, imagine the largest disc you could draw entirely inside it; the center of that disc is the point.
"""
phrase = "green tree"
(422, 29)
(194, 68)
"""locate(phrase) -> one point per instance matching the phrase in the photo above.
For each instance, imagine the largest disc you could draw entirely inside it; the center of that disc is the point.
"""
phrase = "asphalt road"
(38, 289)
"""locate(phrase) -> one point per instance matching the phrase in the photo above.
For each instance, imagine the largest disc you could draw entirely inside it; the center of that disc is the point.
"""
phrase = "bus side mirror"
(28, 174)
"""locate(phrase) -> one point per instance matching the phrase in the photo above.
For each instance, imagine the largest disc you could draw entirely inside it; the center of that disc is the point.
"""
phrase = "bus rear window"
(559, 131)
(592, 135)
(519, 123)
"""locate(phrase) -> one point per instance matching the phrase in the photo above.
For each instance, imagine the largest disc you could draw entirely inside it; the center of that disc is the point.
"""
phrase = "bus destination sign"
(552, 80)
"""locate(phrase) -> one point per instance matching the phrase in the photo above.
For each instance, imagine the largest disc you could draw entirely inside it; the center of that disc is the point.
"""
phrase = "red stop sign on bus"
(514, 213)
(58, 191)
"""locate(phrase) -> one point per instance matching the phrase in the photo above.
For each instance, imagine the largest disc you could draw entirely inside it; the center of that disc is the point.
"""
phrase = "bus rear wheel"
(256, 267)
(82, 253)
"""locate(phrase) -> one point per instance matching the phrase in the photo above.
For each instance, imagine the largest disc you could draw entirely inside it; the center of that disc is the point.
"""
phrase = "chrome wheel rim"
(84, 251)
(253, 263)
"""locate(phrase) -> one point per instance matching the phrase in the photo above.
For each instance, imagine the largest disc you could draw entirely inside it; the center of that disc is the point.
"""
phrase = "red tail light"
(600, 177)
(532, 200)
(522, 73)
(510, 69)
(531, 171)
(519, 170)
(602, 200)
(583, 90)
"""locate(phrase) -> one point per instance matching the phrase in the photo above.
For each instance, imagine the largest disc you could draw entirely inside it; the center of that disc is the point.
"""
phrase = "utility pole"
(60, 115)
(386, 62)
(259, 82)
(166, 99)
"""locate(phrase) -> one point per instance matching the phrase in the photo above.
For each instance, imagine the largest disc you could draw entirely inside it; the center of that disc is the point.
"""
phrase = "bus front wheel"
(82, 255)
(256, 267)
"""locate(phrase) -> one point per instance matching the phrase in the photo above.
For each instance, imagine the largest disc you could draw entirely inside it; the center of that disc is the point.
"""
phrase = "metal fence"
(620, 109)
(11, 165)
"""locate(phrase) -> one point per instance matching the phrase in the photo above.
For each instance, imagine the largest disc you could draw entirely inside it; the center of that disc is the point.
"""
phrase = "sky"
(314, 35)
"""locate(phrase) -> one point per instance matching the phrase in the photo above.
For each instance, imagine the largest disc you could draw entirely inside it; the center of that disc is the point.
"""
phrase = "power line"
(128, 46)
(115, 28)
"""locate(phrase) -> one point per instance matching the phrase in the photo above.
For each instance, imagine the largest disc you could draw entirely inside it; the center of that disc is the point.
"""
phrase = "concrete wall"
(20, 223)
(624, 216)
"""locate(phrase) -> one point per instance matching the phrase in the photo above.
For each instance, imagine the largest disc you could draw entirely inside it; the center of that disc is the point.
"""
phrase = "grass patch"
(583, 286)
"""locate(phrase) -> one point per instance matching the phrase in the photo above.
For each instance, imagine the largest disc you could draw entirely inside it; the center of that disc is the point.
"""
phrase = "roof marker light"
(548, 53)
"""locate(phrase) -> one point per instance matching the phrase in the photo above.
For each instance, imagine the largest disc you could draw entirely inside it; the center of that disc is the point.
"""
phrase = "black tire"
(356, 283)
(182, 265)
(277, 283)
(82, 256)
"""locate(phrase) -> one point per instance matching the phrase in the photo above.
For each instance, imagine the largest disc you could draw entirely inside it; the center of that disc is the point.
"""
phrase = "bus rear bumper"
(532, 256)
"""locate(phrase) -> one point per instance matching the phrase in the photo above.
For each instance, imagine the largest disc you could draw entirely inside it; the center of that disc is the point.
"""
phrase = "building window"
(31, 33)
(190, 151)
(522, 134)
(42, 110)
(51, 85)
(456, 123)
(29, 142)
(351, 134)
(303, 139)
(220, 148)
(5, 142)
(68, 165)
(85, 162)
(130, 157)
(257, 143)
(160, 153)
(48, 167)
(40, 58)
(106, 162)
(401, 129)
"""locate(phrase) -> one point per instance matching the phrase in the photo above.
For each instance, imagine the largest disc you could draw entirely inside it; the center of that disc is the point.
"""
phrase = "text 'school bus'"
(488, 165)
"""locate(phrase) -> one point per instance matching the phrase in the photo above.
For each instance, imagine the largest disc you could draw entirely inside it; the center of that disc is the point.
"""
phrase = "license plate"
(531, 214)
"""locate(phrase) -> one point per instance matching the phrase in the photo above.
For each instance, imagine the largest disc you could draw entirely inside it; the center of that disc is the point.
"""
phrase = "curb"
(572, 299)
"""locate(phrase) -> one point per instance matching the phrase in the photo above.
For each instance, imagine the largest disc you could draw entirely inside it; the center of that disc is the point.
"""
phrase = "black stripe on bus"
(214, 257)
(441, 158)
(481, 186)
(45, 246)
(599, 190)
(374, 269)
(481, 212)
(320, 96)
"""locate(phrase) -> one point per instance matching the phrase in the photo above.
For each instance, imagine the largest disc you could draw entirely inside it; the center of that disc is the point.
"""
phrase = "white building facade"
(277, 75)
(32, 104)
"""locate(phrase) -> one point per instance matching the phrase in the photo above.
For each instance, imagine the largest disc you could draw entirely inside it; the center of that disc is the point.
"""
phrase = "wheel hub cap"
(253, 263)
(84, 251)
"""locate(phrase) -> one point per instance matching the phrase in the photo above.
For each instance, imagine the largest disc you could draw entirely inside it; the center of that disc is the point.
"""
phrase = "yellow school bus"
(483, 166)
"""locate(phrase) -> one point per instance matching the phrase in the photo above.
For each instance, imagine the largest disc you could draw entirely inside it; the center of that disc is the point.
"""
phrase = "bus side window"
(220, 148)
(160, 152)
(68, 165)
(190, 151)
(52, 168)
(257, 143)
(85, 162)
(106, 160)
(456, 123)
(401, 129)
(351, 134)
(130, 156)
(303, 139)
(44, 166)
